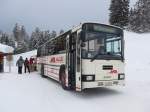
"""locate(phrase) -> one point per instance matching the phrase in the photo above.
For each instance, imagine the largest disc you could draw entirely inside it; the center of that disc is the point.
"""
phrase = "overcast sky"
(52, 14)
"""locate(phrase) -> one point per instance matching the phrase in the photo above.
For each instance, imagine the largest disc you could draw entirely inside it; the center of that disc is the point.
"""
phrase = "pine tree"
(16, 32)
(33, 44)
(61, 31)
(119, 12)
(11, 41)
(53, 34)
(140, 17)
(21, 38)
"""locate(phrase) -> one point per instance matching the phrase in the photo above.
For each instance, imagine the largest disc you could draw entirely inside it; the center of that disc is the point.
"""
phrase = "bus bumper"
(97, 84)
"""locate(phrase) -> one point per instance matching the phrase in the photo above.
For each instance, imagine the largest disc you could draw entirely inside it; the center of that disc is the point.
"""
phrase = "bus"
(90, 55)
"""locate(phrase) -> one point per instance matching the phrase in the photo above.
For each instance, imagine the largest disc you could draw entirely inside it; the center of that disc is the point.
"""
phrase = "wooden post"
(1, 62)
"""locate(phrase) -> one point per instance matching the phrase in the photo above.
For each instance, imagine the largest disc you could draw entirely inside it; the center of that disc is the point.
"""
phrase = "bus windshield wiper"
(95, 57)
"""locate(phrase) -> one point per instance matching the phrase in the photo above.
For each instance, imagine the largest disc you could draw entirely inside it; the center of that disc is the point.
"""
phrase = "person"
(26, 65)
(31, 64)
(35, 64)
(20, 63)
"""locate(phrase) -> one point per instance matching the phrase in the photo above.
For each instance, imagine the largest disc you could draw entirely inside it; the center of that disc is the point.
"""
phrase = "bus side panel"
(52, 65)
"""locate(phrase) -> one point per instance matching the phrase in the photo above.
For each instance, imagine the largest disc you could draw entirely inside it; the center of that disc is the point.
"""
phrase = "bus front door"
(71, 60)
(78, 63)
(74, 62)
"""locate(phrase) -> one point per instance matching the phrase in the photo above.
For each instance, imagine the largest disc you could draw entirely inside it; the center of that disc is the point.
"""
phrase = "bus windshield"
(99, 45)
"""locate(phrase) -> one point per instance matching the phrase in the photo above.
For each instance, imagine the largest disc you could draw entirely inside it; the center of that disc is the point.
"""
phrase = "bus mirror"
(82, 36)
(83, 44)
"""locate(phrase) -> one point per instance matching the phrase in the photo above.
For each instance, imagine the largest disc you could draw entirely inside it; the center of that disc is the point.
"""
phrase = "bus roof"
(103, 24)
(78, 27)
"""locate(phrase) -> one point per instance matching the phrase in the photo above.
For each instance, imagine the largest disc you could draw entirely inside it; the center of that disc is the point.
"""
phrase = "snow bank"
(137, 54)
(5, 48)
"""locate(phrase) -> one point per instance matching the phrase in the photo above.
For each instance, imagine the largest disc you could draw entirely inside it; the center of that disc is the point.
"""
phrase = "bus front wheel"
(62, 77)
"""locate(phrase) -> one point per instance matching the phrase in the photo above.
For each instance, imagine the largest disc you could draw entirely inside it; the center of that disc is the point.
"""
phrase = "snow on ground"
(31, 93)
(6, 49)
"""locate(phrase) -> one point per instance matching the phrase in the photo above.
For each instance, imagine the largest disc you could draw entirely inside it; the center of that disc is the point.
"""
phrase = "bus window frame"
(120, 32)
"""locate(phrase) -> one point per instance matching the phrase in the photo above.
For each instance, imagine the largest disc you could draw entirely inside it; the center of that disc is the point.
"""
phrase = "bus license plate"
(108, 83)
(100, 84)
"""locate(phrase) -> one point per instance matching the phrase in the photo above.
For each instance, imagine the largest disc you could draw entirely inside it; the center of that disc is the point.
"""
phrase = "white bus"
(88, 56)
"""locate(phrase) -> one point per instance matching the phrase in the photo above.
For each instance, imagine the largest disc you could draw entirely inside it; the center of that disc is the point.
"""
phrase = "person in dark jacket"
(31, 64)
(26, 65)
(20, 63)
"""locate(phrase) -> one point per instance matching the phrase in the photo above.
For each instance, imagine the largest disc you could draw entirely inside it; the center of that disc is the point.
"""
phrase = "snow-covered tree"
(39, 37)
(4, 38)
(7, 39)
(61, 31)
(140, 17)
(21, 38)
(119, 12)
(34, 39)
(11, 41)
(53, 34)
(16, 32)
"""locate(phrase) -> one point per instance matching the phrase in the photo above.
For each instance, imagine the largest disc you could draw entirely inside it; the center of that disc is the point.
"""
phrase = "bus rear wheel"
(63, 81)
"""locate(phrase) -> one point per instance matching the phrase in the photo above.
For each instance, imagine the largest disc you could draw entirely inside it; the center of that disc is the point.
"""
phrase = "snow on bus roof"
(6, 48)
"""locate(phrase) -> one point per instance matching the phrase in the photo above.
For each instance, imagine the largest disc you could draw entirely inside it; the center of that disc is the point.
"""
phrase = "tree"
(21, 38)
(140, 17)
(11, 41)
(16, 32)
(53, 34)
(7, 39)
(4, 38)
(119, 12)
(23, 34)
(33, 44)
(38, 38)
(61, 31)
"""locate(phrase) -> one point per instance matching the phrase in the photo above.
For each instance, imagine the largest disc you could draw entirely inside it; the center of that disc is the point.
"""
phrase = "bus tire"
(62, 77)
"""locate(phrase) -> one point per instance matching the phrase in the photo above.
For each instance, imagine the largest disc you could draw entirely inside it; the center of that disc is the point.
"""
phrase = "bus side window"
(61, 44)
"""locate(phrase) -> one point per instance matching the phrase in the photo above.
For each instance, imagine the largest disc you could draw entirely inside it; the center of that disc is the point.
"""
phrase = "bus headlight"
(121, 76)
(88, 77)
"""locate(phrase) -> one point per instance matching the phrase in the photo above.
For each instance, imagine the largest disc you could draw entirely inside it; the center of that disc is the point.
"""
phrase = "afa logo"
(53, 60)
(56, 60)
(113, 72)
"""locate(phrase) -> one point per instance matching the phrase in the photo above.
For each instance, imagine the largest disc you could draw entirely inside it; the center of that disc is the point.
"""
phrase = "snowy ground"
(31, 93)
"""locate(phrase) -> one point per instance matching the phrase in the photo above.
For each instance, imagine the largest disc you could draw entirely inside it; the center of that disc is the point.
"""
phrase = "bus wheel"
(62, 77)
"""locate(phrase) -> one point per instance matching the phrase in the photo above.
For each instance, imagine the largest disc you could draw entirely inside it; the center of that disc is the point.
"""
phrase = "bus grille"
(107, 67)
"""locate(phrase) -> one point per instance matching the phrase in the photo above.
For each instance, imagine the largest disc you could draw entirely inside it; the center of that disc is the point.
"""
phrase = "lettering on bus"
(113, 72)
(56, 60)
